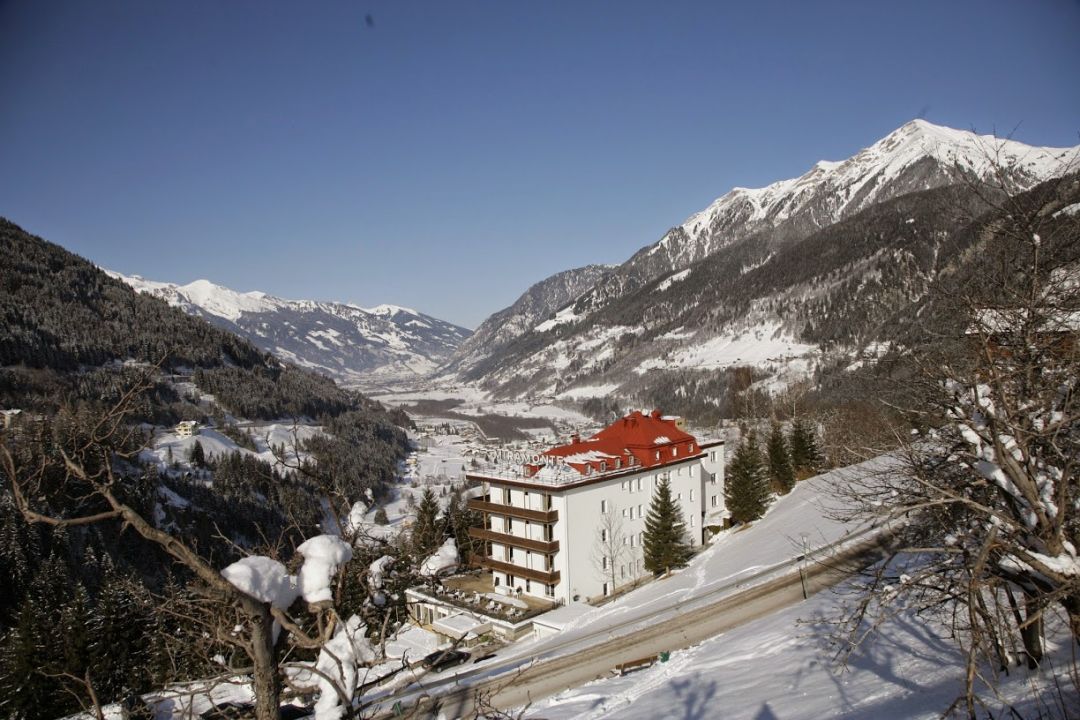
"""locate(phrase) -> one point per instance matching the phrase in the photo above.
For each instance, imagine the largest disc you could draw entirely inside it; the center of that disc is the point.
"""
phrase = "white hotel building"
(542, 519)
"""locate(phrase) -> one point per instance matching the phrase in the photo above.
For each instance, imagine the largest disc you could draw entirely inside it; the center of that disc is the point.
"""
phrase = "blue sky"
(450, 154)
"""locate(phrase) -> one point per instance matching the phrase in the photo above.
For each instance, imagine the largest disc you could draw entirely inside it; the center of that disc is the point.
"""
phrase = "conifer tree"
(197, 456)
(805, 456)
(781, 474)
(427, 533)
(746, 487)
(666, 545)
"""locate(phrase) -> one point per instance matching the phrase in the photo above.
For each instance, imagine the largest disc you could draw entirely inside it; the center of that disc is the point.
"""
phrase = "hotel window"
(639, 484)
(641, 539)
(622, 571)
(679, 497)
(528, 585)
(631, 541)
(624, 512)
(509, 526)
(603, 506)
(712, 501)
(603, 535)
(691, 496)
(712, 478)
(603, 563)
(506, 496)
(640, 511)
(691, 521)
(549, 590)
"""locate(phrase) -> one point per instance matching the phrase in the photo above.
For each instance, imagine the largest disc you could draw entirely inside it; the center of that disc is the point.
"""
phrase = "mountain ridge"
(355, 345)
(657, 303)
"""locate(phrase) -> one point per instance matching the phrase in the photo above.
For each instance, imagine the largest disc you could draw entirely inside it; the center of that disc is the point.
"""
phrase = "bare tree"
(987, 503)
(610, 549)
(92, 474)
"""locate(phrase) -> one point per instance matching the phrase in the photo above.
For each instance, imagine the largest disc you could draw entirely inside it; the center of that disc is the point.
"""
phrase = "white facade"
(560, 539)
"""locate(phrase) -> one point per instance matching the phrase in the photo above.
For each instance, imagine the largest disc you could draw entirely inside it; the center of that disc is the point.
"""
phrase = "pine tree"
(746, 487)
(781, 474)
(805, 456)
(427, 533)
(666, 545)
(196, 456)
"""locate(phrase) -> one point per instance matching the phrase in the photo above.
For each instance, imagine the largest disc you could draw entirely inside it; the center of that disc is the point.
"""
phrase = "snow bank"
(376, 571)
(446, 558)
(338, 662)
(322, 556)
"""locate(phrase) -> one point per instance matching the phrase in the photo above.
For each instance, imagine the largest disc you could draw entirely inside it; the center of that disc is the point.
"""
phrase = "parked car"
(442, 659)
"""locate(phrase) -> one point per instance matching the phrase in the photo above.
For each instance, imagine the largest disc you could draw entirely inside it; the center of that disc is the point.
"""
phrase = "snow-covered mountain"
(734, 285)
(916, 156)
(534, 305)
(357, 346)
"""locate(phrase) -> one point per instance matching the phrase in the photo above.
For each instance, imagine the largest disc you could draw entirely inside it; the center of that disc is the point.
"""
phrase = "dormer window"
(675, 451)
(657, 454)
(603, 466)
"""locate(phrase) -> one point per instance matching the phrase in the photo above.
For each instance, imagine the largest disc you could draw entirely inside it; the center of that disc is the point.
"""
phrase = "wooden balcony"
(540, 546)
(543, 516)
(551, 578)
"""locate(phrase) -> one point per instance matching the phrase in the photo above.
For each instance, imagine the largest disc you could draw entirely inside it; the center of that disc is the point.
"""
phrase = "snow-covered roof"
(459, 625)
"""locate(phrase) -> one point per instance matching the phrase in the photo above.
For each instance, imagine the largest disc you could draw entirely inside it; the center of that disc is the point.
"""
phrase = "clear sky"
(446, 155)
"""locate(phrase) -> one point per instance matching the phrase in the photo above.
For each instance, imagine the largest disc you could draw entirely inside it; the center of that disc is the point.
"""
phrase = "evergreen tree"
(666, 545)
(746, 487)
(805, 456)
(781, 474)
(427, 533)
(196, 456)
(121, 626)
(24, 691)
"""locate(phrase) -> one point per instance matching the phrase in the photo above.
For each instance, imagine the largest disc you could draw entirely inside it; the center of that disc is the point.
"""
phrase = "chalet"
(187, 428)
(545, 516)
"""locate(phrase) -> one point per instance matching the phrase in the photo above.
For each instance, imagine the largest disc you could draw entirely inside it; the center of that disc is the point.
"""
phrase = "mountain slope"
(916, 156)
(535, 304)
(768, 278)
(352, 344)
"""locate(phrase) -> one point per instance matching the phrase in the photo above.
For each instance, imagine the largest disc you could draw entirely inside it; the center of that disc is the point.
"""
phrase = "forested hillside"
(74, 343)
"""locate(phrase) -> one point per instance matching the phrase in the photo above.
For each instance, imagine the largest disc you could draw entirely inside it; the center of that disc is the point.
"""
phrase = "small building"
(9, 417)
(544, 515)
(187, 428)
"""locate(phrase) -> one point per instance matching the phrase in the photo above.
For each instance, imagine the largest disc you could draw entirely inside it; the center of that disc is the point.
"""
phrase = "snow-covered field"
(760, 345)
(781, 667)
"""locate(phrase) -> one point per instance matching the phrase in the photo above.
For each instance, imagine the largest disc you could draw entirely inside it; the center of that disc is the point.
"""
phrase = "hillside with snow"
(357, 346)
(779, 279)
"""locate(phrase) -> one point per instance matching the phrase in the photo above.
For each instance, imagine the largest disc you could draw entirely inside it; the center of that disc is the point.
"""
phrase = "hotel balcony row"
(550, 578)
(542, 516)
(547, 547)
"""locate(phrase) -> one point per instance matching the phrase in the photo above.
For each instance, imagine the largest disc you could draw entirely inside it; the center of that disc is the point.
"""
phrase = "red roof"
(648, 439)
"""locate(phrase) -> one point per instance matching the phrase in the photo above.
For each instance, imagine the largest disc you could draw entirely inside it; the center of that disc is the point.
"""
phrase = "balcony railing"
(551, 578)
(540, 546)
(544, 516)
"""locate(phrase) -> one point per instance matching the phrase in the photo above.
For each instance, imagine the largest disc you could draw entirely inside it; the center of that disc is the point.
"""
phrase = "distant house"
(9, 417)
(187, 428)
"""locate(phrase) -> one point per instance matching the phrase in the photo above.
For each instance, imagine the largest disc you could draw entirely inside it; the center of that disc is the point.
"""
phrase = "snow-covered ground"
(168, 447)
(781, 667)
